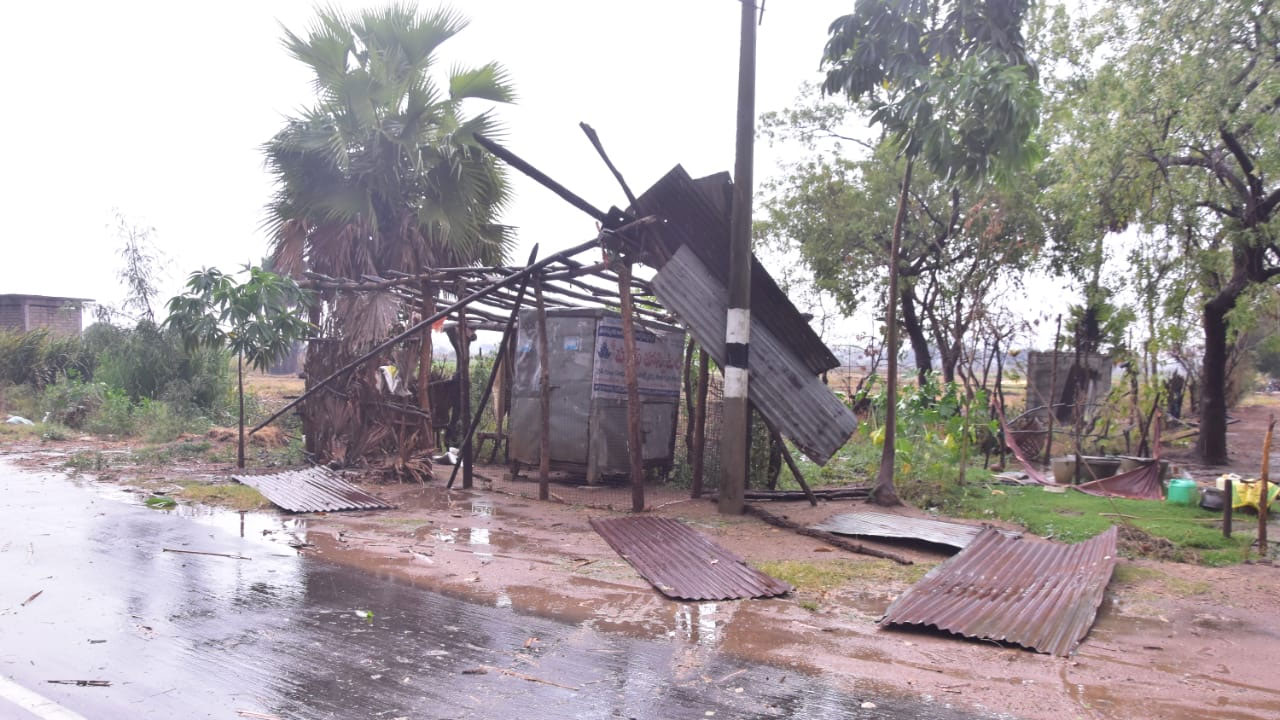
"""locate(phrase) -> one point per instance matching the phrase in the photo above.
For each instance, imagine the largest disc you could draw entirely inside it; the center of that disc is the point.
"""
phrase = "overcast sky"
(159, 109)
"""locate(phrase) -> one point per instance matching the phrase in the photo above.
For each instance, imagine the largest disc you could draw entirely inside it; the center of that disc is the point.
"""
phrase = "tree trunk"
(915, 333)
(1212, 442)
(884, 492)
(240, 388)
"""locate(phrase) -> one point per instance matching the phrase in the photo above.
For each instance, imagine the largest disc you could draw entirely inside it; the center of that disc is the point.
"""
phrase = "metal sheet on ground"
(314, 489)
(682, 563)
(887, 525)
(1040, 595)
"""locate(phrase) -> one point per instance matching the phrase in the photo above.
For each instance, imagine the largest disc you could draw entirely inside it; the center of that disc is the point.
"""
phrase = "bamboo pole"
(635, 440)
(1262, 499)
(544, 397)
(499, 364)
(1053, 391)
(424, 366)
(697, 448)
(464, 387)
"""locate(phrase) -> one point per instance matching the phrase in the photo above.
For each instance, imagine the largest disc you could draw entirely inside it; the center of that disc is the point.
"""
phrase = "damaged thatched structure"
(679, 227)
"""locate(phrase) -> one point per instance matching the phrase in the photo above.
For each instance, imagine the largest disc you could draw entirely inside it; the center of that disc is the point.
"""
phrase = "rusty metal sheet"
(697, 216)
(870, 523)
(793, 398)
(682, 563)
(1041, 595)
(313, 489)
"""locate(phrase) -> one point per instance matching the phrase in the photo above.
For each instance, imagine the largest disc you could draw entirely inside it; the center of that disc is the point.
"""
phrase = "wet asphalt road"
(196, 636)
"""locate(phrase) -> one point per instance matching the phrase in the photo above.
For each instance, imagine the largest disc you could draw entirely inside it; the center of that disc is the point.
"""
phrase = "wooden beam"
(544, 395)
(634, 438)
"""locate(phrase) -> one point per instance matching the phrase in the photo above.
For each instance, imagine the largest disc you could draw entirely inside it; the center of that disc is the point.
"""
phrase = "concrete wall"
(1040, 391)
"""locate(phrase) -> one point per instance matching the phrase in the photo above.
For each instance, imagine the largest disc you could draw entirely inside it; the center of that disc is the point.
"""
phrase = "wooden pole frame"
(635, 438)
(544, 397)
(697, 449)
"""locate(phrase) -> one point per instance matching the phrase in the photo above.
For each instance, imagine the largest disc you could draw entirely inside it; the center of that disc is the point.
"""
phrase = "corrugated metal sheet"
(682, 563)
(1040, 595)
(697, 216)
(792, 397)
(313, 489)
(869, 523)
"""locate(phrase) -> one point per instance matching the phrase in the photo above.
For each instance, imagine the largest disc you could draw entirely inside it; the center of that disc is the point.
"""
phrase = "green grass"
(1074, 516)
(824, 575)
(232, 495)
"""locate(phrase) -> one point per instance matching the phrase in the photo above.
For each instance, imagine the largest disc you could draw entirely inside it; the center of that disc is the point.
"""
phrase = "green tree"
(1173, 124)
(950, 83)
(383, 173)
(957, 241)
(256, 319)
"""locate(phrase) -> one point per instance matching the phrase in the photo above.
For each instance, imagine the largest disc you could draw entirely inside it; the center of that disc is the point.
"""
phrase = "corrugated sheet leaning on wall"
(794, 399)
(1040, 595)
(682, 563)
(313, 489)
(869, 523)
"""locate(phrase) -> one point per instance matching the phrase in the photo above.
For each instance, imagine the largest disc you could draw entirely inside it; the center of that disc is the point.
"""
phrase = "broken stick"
(214, 554)
(826, 537)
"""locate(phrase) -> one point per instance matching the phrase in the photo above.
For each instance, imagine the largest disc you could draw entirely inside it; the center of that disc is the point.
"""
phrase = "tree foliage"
(1171, 123)
(948, 81)
(383, 173)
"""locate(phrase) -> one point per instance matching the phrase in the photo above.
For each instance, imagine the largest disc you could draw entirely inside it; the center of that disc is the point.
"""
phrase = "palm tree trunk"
(240, 387)
(884, 492)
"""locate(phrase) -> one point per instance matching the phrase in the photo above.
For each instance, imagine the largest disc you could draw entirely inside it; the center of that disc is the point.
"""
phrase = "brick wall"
(11, 317)
(59, 316)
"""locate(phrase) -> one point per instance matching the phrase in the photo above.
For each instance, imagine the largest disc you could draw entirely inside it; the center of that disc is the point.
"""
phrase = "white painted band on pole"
(38, 705)
(735, 382)
(738, 326)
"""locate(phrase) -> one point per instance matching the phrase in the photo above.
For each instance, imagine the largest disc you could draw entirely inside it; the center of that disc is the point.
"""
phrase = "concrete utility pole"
(737, 334)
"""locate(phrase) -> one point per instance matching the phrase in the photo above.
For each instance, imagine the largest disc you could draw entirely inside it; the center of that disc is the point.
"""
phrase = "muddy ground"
(1171, 641)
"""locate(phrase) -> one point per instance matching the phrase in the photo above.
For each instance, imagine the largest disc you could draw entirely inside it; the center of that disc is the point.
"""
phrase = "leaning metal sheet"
(1040, 595)
(682, 563)
(313, 489)
(877, 524)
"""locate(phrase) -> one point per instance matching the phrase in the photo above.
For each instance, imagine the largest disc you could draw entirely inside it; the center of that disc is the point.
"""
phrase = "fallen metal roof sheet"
(1040, 595)
(793, 398)
(682, 563)
(697, 216)
(878, 524)
(313, 489)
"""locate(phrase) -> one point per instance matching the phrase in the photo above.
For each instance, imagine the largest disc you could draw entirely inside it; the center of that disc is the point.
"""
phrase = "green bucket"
(1182, 491)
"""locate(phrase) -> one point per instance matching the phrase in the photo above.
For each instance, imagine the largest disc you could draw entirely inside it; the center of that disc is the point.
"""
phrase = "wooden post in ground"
(697, 448)
(544, 395)
(1263, 480)
(464, 385)
(424, 367)
(1226, 509)
(1053, 385)
(635, 440)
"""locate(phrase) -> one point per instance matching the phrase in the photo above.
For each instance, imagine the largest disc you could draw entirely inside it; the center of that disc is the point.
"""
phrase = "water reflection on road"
(203, 636)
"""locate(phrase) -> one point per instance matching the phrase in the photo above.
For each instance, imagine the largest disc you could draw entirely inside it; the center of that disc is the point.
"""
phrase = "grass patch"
(230, 495)
(1178, 532)
(824, 575)
(1127, 575)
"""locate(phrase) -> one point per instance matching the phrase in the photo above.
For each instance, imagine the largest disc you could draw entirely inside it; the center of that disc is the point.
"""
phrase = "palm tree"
(383, 173)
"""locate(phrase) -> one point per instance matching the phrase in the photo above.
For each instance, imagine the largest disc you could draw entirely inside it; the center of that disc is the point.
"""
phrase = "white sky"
(159, 109)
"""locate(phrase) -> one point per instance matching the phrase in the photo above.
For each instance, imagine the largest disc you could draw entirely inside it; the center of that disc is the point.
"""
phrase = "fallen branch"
(826, 537)
(214, 554)
(82, 683)
(256, 715)
(33, 597)
(529, 678)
